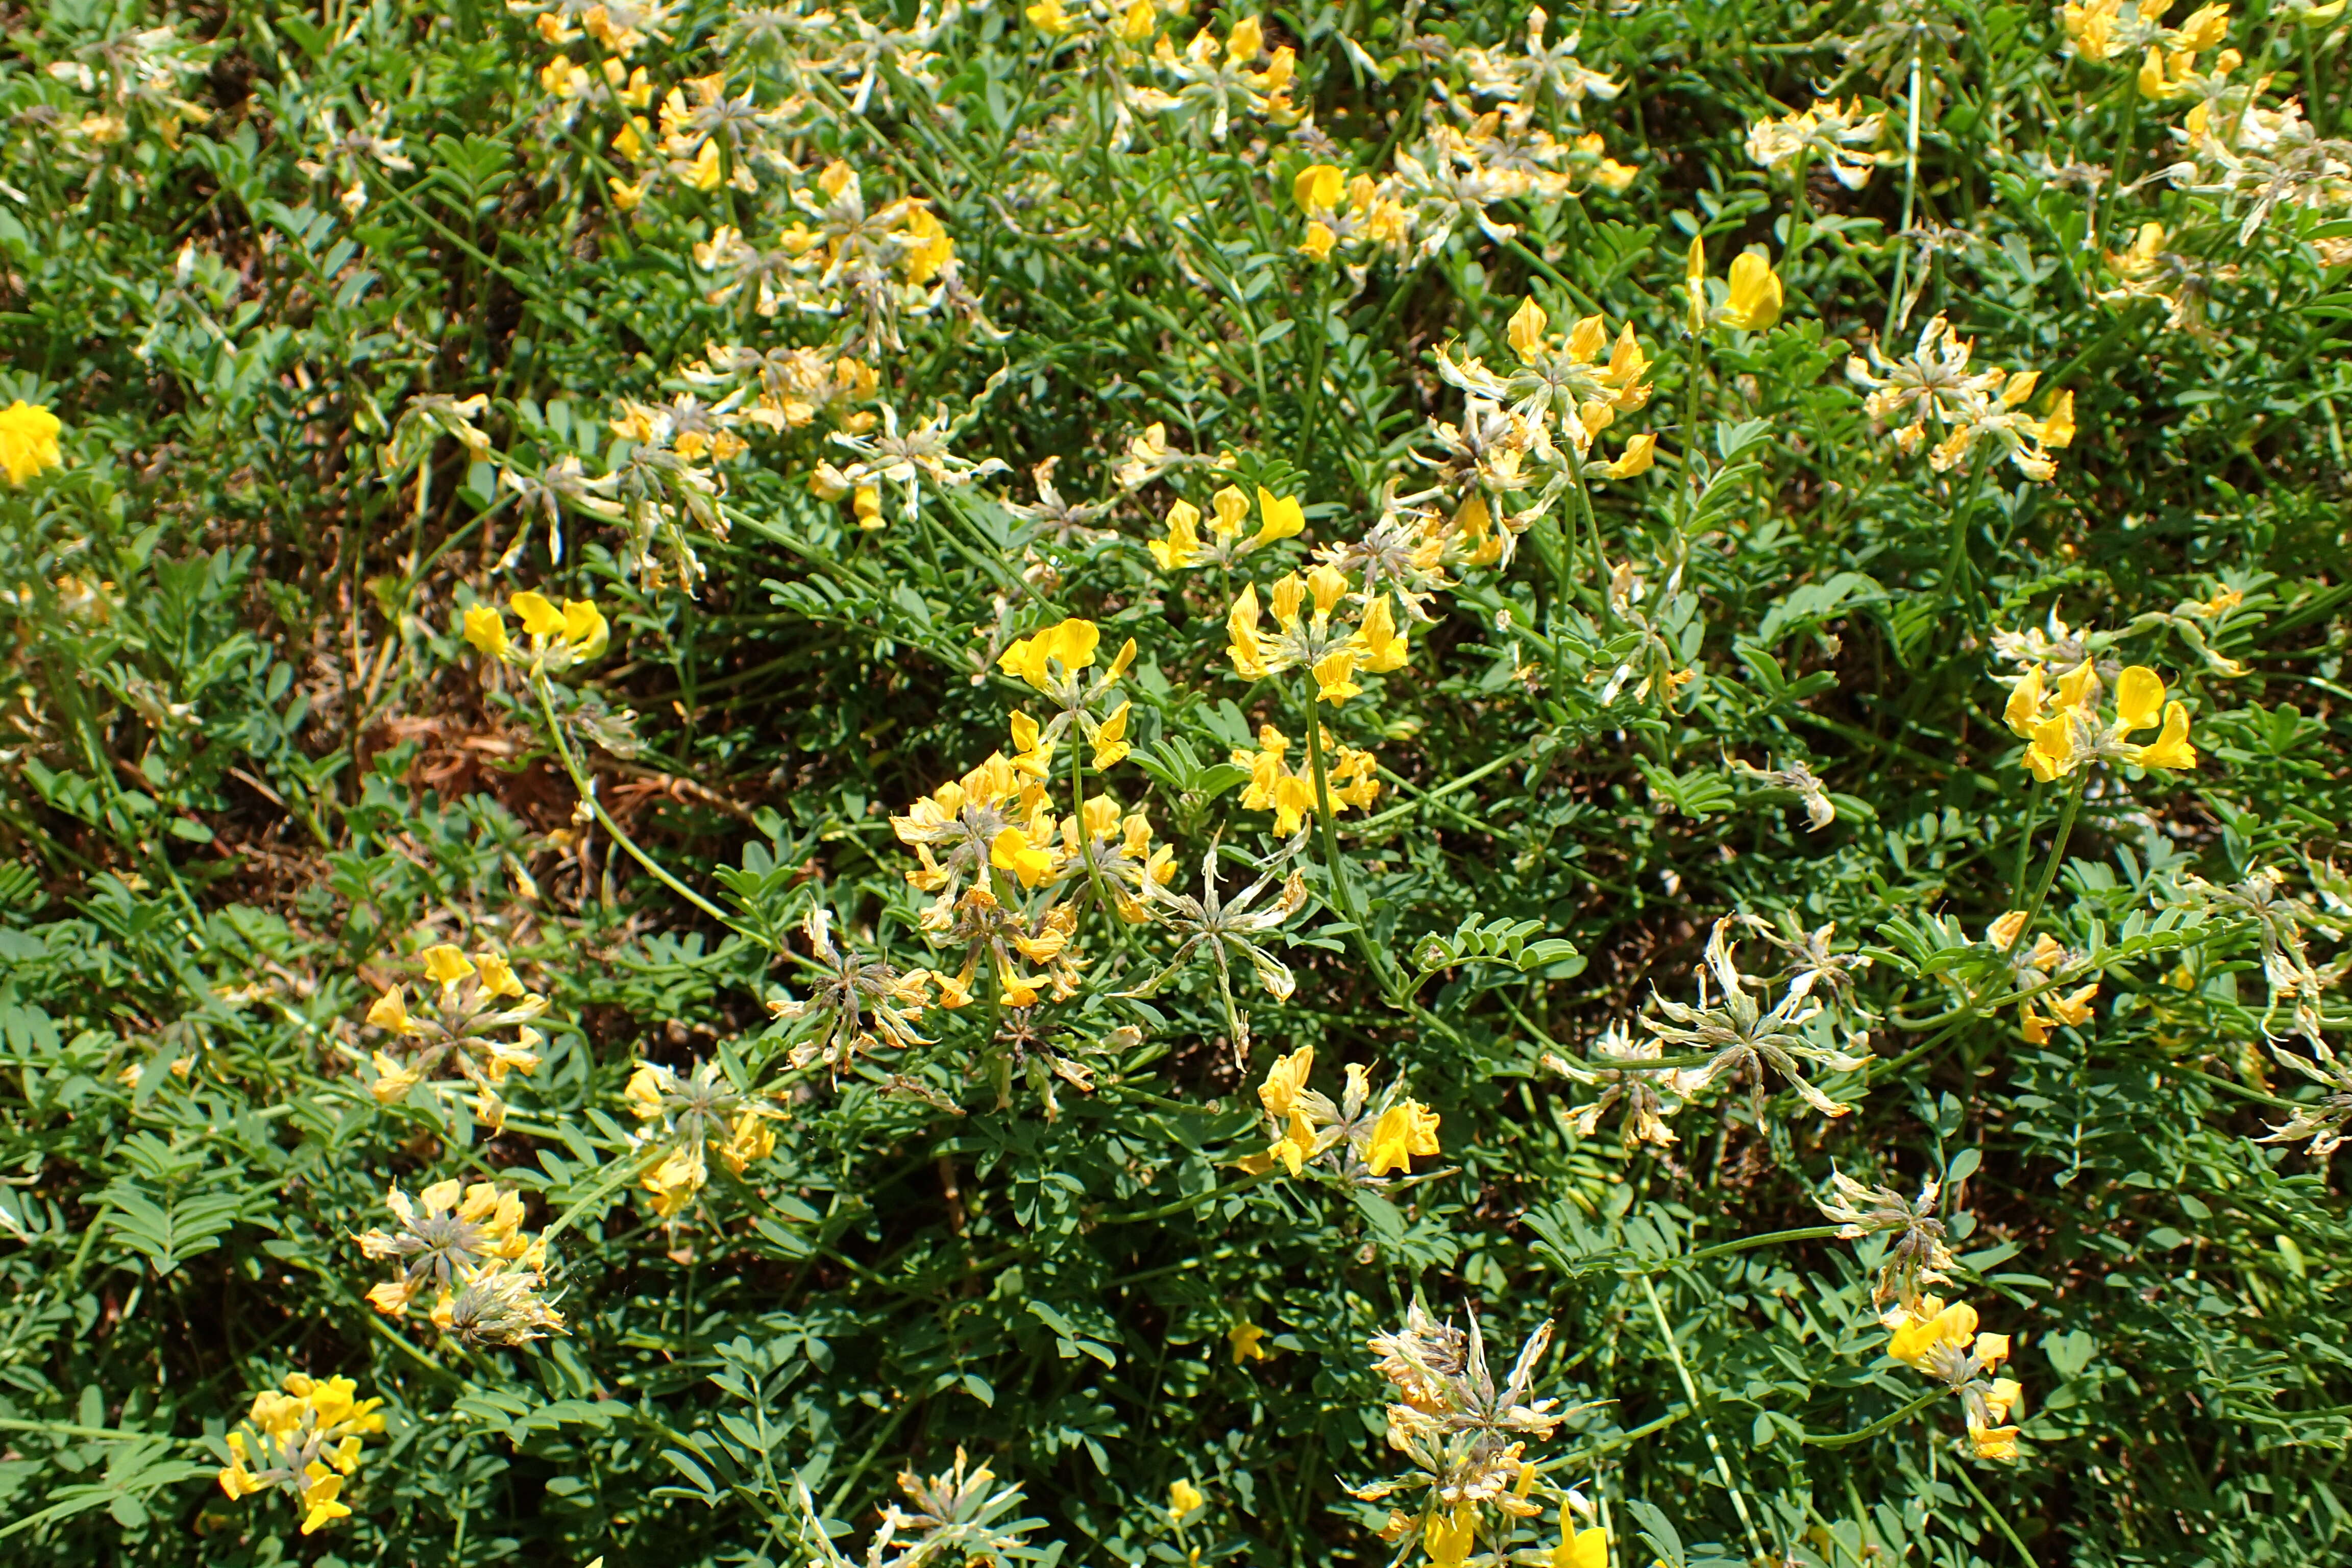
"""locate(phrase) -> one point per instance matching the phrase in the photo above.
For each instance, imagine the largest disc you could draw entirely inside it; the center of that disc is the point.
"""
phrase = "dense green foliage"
(261, 260)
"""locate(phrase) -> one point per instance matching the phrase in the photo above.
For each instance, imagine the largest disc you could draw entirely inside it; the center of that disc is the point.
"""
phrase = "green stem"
(615, 1177)
(619, 835)
(1706, 1427)
(2058, 844)
(1994, 1514)
(1334, 864)
(1910, 191)
(1180, 1205)
(1843, 1439)
(1724, 1249)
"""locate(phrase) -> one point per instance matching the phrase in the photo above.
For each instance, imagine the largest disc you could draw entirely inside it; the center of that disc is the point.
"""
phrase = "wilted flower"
(1919, 1256)
(861, 1004)
(1744, 1037)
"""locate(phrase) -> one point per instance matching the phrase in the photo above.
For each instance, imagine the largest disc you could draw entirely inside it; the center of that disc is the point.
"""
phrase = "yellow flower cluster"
(1942, 1342)
(1305, 637)
(1273, 787)
(1280, 517)
(29, 441)
(2065, 732)
(555, 639)
(686, 1114)
(2028, 971)
(467, 1007)
(470, 1250)
(303, 1443)
(1370, 1142)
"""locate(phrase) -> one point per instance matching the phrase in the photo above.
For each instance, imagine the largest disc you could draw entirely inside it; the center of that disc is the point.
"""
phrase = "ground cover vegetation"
(1118, 784)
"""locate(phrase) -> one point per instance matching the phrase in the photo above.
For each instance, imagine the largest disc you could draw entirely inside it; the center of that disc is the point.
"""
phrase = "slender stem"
(2058, 842)
(615, 1178)
(1336, 865)
(1994, 1514)
(619, 836)
(1706, 1427)
(1910, 191)
(1592, 527)
(2025, 847)
(1179, 1206)
(1722, 1249)
(1842, 1439)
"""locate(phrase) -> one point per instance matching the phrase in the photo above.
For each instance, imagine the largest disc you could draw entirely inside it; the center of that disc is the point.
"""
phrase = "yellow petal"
(2139, 699)
(539, 617)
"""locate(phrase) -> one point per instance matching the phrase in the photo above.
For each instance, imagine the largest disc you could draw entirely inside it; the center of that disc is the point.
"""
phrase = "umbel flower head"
(1837, 135)
(1745, 1036)
(1934, 385)
(451, 1245)
(472, 1001)
(1647, 1093)
(302, 1443)
(996, 818)
(29, 441)
(955, 1517)
(1357, 1141)
(1466, 1438)
(1058, 663)
(684, 1115)
(1304, 635)
(1563, 379)
(1229, 538)
(1919, 1256)
(1943, 1342)
(554, 640)
(2066, 733)
(1218, 924)
(862, 1004)
(1290, 796)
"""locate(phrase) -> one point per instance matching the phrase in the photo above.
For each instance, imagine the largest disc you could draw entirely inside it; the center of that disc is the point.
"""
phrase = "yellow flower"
(1070, 644)
(1284, 1079)
(318, 1499)
(1754, 303)
(29, 440)
(1641, 452)
(1993, 1442)
(1139, 23)
(2073, 1009)
(1110, 739)
(1914, 1331)
(1280, 517)
(1318, 187)
(1182, 545)
(1316, 245)
(2206, 26)
(391, 1012)
(498, 977)
(1298, 1144)
(1010, 850)
(1183, 1497)
(1448, 1539)
(445, 965)
(2004, 932)
(487, 630)
(1583, 1549)
(1405, 1129)
(1244, 1339)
